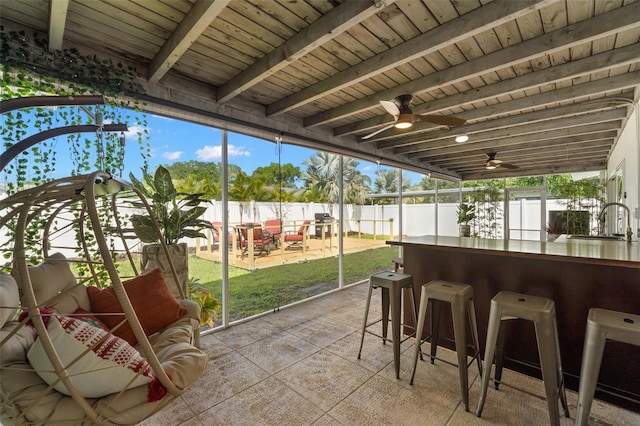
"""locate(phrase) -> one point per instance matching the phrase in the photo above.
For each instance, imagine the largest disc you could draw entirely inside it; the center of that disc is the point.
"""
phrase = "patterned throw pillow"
(88, 317)
(98, 363)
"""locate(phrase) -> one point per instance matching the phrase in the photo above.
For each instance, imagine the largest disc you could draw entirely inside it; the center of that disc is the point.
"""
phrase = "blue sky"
(175, 140)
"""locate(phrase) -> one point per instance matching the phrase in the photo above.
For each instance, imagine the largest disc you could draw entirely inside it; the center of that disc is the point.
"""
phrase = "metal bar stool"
(460, 297)
(602, 325)
(392, 284)
(398, 264)
(506, 306)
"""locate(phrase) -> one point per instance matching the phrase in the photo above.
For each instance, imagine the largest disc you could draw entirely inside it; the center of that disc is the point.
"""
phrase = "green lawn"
(251, 293)
(269, 288)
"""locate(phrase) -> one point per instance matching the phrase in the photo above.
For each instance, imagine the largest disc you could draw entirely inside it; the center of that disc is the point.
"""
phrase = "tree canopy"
(273, 174)
(318, 182)
(322, 175)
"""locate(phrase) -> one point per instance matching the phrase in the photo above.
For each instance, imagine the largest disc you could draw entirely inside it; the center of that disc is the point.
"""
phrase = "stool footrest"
(401, 325)
(506, 306)
(473, 358)
(393, 285)
(388, 339)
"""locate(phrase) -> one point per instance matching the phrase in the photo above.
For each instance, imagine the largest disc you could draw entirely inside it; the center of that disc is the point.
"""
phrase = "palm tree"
(312, 194)
(322, 171)
(387, 181)
(322, 176)
(356, 185)
(245, 188)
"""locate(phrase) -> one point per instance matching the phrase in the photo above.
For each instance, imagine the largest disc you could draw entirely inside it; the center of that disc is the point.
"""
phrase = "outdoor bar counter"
(576, 274)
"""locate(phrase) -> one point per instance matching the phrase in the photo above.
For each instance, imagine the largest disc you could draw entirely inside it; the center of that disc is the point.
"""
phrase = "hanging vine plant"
(489, 211)
(29, 69)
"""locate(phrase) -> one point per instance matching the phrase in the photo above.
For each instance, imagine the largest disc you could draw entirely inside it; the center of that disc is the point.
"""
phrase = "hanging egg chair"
(85, 336)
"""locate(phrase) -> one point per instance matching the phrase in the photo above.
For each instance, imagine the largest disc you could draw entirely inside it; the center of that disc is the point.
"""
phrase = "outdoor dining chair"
(295, 239)
(274, 227)
(261, 239)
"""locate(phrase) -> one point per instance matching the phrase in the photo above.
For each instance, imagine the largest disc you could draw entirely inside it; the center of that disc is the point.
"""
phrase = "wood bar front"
(576, 274)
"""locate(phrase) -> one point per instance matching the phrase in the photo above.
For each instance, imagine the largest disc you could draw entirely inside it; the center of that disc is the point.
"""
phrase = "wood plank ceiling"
(546, 84)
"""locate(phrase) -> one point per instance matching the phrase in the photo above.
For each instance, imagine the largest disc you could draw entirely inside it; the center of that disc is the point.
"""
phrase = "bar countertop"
(597, 252)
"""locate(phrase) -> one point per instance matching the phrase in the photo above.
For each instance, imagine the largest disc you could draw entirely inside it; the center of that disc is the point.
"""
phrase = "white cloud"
(171, 155)
(161, 117)
(210, 153)
(132, 133)
(238, 151)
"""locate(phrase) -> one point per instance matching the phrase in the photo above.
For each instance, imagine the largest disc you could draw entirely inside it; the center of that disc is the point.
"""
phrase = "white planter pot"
(154, 256)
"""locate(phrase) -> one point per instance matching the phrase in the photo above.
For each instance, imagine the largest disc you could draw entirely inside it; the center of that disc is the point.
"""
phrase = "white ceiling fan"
(405, 118)
(493, 164)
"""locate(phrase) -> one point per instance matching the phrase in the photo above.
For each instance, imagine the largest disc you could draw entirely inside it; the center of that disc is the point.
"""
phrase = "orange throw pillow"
(155, 305)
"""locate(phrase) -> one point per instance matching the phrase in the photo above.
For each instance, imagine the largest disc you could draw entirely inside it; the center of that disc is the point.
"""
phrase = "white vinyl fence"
(417, 219)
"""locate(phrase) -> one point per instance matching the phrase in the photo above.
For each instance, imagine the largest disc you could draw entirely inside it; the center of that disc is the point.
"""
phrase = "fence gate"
(519, 222)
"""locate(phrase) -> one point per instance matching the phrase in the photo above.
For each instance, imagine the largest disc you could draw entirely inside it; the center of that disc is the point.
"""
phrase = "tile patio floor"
(299, 366)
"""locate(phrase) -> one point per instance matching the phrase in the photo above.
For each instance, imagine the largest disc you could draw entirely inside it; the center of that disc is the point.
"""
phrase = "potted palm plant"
(466, 213)
(177, 215)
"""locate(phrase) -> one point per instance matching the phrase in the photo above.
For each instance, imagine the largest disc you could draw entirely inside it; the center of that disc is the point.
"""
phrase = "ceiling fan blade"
(391, 108)
(370, 135)
(508, 166)
(445, 120)
(492, 164)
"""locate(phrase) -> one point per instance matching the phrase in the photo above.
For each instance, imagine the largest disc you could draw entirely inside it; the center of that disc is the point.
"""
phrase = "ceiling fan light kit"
(493, 164)
(404, 117)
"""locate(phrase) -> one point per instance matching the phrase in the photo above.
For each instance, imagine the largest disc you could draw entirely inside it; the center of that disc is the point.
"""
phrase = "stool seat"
(523, 306)
(541, 311)
(392, 284)
(602, 325)
(390, 279)
(460, 297)
(398, 263)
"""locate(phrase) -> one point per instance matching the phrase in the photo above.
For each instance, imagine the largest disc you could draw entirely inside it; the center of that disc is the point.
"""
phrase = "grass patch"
(251, 293)
(269, 288)
(380, 237)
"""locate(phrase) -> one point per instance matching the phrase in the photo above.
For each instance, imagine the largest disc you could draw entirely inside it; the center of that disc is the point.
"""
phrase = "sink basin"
(596, 237)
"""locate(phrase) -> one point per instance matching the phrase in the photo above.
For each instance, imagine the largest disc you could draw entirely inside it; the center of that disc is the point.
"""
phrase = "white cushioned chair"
(163, 363)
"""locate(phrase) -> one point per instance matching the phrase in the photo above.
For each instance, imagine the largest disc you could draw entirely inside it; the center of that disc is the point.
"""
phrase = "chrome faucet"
(604, 208)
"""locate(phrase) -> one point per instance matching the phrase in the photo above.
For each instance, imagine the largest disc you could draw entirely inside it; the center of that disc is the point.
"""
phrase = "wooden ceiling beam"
(538, 171)
(541, 100)
(529, 163)
(57, 21)
(524, 128)
(327, 27)
(563, 38)
(200, 16)
(494, 139)
(530, 133)
(572, 110)
(442, 138)
(570, 70)
(494, 142)
(465, 26)
(567, 94)
(550, 151)
(513, 145)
